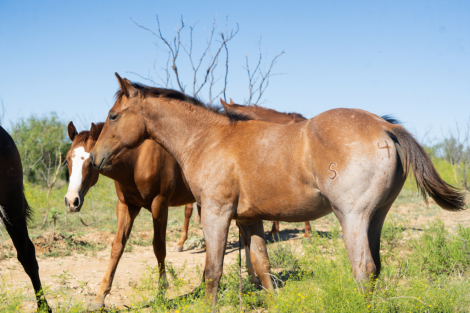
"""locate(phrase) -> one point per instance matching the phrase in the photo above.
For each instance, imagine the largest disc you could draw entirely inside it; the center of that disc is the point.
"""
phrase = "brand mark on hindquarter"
(335, 173)
(385, 147)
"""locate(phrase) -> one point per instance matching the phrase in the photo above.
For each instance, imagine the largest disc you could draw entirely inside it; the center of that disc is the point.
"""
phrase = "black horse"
(15, 212)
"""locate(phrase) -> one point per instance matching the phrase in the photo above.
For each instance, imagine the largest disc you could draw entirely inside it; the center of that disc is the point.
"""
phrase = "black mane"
(390, 119)
(154, 92)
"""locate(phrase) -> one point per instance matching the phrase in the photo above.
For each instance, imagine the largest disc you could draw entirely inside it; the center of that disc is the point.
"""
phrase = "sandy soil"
(91, 268)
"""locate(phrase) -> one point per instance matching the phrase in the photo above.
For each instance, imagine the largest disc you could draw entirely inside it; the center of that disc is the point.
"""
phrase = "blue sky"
(406, 58)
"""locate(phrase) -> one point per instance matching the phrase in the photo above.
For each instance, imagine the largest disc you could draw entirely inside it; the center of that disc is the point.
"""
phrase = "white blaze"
(79, 157)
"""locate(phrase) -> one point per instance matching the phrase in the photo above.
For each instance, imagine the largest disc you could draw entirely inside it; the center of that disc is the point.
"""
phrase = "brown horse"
(347, 161)
(260, 113)
(146, 176)
(15, 212)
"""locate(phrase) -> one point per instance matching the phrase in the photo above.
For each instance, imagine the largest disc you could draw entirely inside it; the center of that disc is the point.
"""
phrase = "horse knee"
(213, 276)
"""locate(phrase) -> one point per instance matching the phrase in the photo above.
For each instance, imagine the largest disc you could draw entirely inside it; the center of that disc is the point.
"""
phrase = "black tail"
(413, 156)
(28, 210)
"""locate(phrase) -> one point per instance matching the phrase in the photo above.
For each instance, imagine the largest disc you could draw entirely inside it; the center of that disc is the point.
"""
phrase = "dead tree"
(456, 148)
(258, 79)
(52, 170)
(208, 69)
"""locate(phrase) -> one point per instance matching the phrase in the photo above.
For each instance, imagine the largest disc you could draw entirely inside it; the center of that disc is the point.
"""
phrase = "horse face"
(124, 128)
(82, 175)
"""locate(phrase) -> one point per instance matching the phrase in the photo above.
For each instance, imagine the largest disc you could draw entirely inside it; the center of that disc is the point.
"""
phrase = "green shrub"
(41, 142)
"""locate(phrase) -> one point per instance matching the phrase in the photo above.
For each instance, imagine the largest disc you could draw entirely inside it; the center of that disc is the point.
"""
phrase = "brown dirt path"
(91, 268)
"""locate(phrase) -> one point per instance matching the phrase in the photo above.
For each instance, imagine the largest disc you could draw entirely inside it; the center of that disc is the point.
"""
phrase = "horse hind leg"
(374, 233)
(308, 229)
(255, 240)
(361, 237)
(188, 212)
(274, 229)
(26, 253)
(249, 265)
(356, 240)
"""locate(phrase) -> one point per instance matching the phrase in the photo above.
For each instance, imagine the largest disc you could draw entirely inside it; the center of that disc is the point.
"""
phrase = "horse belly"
(291, 207)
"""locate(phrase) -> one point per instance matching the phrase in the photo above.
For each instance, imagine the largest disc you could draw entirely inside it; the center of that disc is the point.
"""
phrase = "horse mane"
(297, 115)
(154, 92)
(83, 136)
(390, 119)
(293, 114)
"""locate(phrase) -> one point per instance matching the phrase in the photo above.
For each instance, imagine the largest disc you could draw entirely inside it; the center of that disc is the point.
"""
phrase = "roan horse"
(15, 212)
(259, 113)
(146, 176)
(347, 161)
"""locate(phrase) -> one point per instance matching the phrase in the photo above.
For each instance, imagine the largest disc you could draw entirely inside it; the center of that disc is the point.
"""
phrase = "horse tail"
(27, 209)
(414, 158)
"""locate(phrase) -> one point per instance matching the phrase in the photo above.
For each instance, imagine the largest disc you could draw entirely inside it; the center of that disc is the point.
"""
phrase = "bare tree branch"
(50, 180)
(26, 169)
(206, 74)
(258, 75)
(174, 51)
(456, 148)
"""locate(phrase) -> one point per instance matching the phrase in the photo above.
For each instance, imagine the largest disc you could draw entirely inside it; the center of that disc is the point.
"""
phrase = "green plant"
(40, 141)
(54, 215)
(283, 255)
(63, 278)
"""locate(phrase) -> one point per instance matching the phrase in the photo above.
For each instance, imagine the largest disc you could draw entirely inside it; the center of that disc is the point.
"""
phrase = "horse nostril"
(76, 202)
(91, 159)
(66, 202)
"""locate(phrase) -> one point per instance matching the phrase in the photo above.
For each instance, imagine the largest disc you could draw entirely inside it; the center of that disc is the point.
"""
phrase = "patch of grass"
(437, 252)
(283, 255)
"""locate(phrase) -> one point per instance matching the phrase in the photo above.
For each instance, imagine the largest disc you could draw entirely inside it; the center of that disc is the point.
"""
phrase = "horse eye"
(113, 117)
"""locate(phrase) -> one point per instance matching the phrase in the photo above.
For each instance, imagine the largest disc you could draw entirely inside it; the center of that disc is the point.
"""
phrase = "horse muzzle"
(74, 204)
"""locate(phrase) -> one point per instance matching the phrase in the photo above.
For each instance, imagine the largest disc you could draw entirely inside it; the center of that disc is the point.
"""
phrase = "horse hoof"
(178, 249)
(95, 306)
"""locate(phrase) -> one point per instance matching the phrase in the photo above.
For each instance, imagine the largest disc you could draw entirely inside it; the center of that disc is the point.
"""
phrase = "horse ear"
(292, 121)
(95, 132)
(224, 104)
(231, 101)
(126, 86)
(72, 131)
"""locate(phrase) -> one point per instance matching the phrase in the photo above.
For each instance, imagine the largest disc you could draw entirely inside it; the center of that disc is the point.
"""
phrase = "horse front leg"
(188, 211)
(215, 223)
(160, 221)
(125, 219)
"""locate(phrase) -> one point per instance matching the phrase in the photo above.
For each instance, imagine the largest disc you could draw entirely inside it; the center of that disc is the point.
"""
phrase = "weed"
(63, 278)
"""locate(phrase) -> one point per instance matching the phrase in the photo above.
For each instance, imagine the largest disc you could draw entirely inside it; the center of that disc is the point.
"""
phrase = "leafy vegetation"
(42, 143)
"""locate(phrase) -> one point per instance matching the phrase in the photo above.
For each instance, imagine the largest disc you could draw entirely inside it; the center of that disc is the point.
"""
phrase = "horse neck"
(178, 126)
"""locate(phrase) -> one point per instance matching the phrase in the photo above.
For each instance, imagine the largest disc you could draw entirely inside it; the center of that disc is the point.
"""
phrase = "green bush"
(41, 142)
(437, 252)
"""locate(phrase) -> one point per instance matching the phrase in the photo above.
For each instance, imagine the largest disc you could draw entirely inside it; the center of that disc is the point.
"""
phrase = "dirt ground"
(79, 275)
